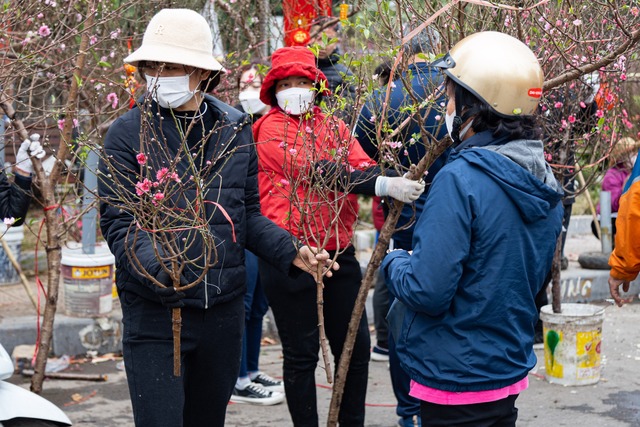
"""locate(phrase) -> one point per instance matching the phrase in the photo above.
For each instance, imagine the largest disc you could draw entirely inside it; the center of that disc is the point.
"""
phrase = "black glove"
(169, 296)
(335, 175)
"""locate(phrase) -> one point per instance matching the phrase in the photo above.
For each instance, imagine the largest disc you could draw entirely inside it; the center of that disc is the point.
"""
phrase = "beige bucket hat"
(179, 36)
(623, 150)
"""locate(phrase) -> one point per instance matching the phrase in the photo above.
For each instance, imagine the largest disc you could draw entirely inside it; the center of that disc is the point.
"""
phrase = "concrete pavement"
(614, 401)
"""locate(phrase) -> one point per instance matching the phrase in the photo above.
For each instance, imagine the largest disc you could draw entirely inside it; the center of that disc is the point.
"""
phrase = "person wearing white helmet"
(176, 61)
(15, 196)
(465, 304)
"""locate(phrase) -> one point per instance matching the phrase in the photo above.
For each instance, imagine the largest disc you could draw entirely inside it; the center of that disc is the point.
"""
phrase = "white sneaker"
(254, 394)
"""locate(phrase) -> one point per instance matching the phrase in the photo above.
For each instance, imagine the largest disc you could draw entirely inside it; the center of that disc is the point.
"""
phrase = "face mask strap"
(457, 120)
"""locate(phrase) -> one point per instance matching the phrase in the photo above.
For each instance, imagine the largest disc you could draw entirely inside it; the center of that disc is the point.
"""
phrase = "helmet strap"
(455, 131)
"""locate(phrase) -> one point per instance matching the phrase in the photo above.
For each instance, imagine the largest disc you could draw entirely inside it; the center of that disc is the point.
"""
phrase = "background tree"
(62, 77)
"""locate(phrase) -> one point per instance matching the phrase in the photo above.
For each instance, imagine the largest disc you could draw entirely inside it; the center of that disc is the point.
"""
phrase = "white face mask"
(448, 121)
(250, 101)
(170, 92)
(296, 100)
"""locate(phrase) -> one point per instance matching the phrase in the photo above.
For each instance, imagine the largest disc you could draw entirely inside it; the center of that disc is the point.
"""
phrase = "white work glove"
(399, 187)
(30, 147)
(593, 81)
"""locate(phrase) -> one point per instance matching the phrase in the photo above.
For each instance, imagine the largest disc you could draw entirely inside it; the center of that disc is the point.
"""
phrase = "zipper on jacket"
(206, 294)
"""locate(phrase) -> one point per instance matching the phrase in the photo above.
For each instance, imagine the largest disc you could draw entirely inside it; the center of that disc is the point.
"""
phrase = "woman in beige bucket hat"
(176, 60)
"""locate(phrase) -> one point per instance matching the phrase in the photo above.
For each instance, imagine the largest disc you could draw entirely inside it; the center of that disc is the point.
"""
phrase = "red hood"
(287, 62)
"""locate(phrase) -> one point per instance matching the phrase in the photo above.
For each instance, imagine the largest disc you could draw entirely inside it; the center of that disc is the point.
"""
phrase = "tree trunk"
(323, 335)
(54, 228)
(556, 296)
(176, 317)
(376, 259)
(54, 256)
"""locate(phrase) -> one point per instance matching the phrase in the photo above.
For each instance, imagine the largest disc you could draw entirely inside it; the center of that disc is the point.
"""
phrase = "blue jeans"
(210, 358)
(255, 306)
(408, 406)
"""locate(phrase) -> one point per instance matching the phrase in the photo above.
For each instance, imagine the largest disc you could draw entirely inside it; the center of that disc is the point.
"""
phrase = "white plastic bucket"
(572, 343)
(87, 281)
(13, 237)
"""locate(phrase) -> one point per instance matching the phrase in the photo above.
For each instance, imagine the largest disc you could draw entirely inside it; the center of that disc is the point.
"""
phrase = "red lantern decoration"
(298, 17)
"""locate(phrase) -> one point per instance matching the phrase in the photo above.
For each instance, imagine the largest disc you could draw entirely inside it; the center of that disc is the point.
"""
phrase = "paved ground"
(614, 401)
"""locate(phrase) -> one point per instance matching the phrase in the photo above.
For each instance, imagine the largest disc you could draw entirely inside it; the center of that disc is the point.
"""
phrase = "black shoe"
(268, 383)
(256, 395)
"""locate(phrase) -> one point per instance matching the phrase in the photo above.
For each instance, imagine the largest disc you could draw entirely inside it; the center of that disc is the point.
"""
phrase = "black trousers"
(501, 413)
(293, 303)
(211, 343)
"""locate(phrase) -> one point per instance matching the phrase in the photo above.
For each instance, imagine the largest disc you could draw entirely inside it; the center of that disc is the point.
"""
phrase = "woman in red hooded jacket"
(309, 169)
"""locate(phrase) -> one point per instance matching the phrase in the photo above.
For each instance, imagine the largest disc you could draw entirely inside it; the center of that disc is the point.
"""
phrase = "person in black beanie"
(338, 75)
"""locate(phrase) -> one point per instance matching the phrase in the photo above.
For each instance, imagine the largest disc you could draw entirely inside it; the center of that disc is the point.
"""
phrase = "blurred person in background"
(338, 75)
(254, 386)
(625, 258)
(423, 82)
(621, 160)
(15, 195)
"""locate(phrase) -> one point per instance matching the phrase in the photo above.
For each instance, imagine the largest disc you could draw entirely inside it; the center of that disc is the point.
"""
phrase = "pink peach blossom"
(113, 99)
(143, 187)
(161, 174)
(44, 31)
(141, 158)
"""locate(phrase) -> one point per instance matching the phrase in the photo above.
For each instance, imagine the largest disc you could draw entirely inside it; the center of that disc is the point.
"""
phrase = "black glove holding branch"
(169, 296)
(335, 175)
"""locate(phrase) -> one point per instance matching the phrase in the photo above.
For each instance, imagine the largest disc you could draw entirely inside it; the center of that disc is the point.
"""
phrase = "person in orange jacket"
(625, 258)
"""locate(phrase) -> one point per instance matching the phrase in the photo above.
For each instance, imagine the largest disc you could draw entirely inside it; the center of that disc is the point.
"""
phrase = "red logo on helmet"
(535, 92)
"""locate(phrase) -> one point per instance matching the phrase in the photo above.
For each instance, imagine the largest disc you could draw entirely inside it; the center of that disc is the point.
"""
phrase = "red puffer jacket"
(288, 147)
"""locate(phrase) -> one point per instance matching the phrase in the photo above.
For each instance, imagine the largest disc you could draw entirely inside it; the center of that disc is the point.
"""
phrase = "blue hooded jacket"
(481, 250)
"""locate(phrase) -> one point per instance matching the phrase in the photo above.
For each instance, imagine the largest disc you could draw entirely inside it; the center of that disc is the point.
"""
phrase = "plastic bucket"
(572, 343)
(87, 281)
(13, 237)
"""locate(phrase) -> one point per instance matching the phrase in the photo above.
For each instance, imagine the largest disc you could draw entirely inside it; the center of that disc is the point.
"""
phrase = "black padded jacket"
(232, 189)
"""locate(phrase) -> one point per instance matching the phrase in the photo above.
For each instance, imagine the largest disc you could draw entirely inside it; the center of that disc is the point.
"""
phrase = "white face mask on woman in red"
(295, 100)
